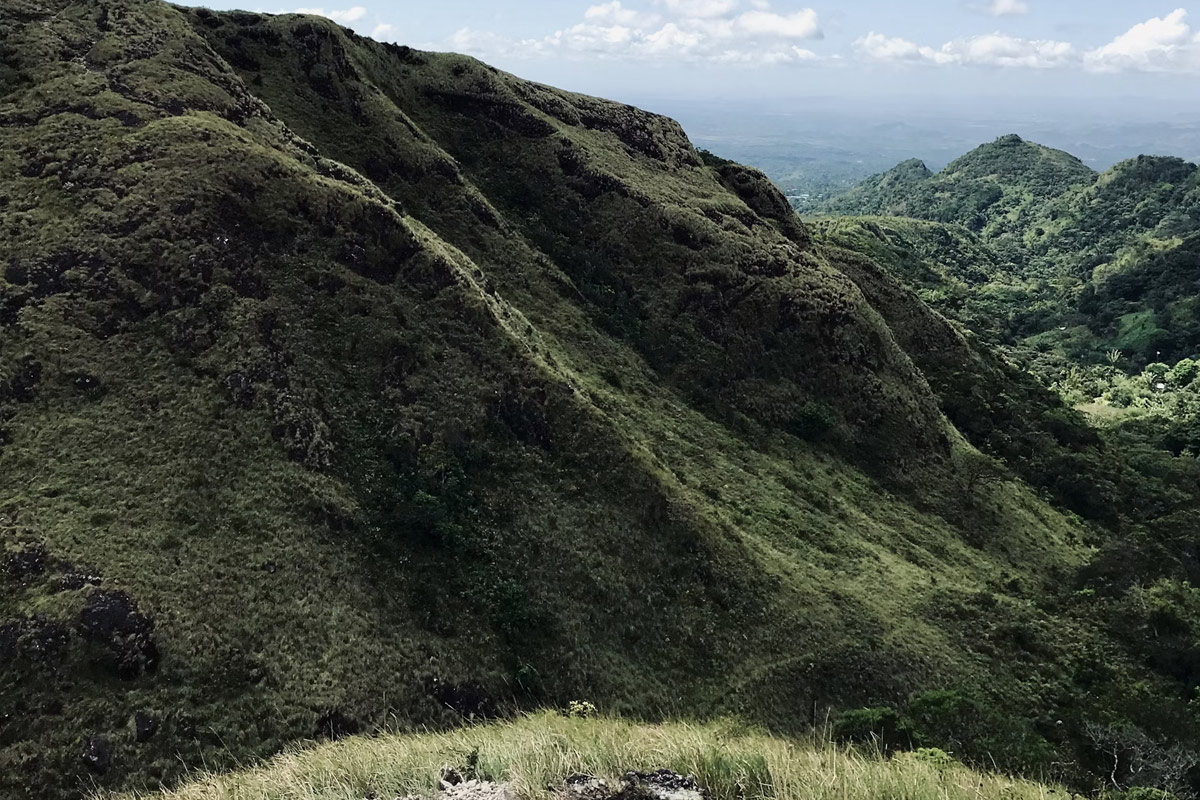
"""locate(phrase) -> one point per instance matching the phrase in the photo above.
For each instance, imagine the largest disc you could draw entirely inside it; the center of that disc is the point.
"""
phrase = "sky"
(1137, 52)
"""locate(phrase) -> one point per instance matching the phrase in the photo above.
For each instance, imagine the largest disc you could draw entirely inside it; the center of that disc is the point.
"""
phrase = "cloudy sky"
(783, 48)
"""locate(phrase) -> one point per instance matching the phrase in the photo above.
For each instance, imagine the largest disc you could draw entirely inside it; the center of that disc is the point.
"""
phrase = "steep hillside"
(994, 401)
(345, 386)
(887, 193)
(950, 268)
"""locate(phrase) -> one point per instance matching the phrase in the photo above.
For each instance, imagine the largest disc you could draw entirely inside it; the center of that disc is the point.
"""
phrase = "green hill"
(1107, 259)
(994, 190)
(345, 387)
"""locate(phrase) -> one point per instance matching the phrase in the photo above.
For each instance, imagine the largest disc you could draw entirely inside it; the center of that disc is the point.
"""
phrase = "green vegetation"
(536, 753)
(1080, 263)
(994, 190)
(347, 388)
(1091, 290)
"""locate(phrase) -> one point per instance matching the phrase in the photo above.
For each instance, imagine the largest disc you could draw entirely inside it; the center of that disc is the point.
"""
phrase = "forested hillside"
(1089, 263)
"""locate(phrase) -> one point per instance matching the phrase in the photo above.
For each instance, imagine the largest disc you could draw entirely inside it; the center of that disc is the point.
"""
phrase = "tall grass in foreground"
(538, 752)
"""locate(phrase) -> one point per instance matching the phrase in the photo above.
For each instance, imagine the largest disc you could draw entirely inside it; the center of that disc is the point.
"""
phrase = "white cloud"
(482, 43)
(878, 47)
(802, 24)
(340, 16)
(988, 50)
(1160, 44)
(701, 9)
(718, 31)
(1000, 50)
(752, 32)
(788, 55)
(1006, 8)
(614, 13)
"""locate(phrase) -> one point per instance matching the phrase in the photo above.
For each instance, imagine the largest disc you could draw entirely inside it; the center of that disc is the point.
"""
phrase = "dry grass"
(540, 751)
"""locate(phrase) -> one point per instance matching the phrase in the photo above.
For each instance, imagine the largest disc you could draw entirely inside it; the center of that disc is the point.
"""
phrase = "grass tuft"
(536, 753)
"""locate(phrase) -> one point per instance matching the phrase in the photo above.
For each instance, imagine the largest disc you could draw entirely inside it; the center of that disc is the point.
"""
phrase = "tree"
(978, 469)
(1183, 373)
(1135, 759)
(1155, 374)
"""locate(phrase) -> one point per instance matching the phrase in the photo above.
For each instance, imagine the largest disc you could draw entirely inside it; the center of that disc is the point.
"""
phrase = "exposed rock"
(587, 787)
(145, 725)
(477, 790)
(662, 784)
(113, 619)
(26, 563)
(98, 754)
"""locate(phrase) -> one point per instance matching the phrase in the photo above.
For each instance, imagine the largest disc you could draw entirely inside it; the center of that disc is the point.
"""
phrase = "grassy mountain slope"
(346, 386)
(951, 269)
(733, 326)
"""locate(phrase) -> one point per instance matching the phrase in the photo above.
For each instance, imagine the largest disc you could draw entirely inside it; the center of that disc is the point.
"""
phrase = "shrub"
(945, 717)
(1183, 373)
(814, 420)
(933, 756)
(1119, 397)
(1147, 793)
(881, 726)
(581, 709)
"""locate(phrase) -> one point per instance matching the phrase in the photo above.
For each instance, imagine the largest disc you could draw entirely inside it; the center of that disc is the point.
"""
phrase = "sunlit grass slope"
(539, 752)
